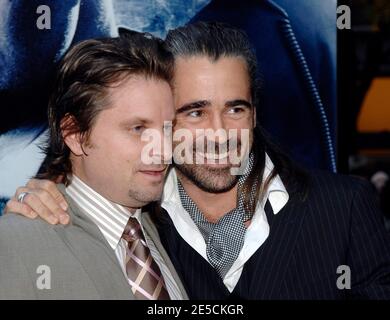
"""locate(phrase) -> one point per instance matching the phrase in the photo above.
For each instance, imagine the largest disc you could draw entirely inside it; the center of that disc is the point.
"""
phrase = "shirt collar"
(276, 192)
(111, 218)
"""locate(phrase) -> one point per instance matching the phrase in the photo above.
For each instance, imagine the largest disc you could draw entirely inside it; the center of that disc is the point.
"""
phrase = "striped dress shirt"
(111, 219)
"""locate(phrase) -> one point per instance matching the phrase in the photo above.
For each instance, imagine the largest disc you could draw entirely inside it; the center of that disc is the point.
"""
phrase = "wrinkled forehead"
(199, 78)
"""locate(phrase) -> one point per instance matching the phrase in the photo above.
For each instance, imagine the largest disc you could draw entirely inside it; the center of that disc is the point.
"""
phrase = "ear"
(71, 135)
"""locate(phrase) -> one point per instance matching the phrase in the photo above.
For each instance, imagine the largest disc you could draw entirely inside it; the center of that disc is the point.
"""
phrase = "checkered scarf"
(225, 238)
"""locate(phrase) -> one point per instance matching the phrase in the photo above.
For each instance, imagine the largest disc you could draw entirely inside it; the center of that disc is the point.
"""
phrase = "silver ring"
(21, 196)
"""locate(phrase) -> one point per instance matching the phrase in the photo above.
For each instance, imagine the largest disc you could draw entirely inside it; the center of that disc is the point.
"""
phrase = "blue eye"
(195, 114)
(138, 129)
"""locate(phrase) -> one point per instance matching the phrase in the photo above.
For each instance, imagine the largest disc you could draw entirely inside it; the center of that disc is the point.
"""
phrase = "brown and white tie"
(143, 272)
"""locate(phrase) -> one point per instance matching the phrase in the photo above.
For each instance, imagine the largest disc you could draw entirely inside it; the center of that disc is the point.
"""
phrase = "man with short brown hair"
(107, 92)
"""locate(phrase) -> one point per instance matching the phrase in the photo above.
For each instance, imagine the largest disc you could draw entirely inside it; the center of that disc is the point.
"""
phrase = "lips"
(219, 153)
(154, 172)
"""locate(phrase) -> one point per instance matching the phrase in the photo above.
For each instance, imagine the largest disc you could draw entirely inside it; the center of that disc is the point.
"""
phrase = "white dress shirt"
(255, 235)
(111, 219)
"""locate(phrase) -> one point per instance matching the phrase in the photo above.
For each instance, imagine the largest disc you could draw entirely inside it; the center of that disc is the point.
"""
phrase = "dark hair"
(216, 40)
(80, 90)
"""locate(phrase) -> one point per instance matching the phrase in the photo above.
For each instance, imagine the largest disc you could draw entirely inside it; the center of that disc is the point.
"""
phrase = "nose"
(217, 121)
(157, 148)
(219, 128)
(164, 153)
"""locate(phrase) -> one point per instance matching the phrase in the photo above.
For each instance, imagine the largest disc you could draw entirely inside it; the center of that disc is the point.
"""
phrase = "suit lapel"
(272, 261)
(106, 274)
(151, 229)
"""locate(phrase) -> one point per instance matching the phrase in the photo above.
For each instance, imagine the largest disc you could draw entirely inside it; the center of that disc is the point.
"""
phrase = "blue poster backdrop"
(295, 42)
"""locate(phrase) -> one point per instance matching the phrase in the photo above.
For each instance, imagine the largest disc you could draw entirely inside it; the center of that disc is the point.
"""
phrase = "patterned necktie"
(144, 274)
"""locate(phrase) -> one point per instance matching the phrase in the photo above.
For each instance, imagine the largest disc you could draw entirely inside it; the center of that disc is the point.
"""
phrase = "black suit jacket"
(338, 224)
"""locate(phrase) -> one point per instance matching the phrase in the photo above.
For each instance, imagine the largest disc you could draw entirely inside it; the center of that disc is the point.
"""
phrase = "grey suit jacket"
(75, 261)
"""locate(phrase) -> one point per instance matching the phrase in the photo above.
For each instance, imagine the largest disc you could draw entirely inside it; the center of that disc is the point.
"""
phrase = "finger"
(19, 191)
(47, 199)
(51, 188)
(46, 202)
(37, 205)
(16, 207)
(52, 205)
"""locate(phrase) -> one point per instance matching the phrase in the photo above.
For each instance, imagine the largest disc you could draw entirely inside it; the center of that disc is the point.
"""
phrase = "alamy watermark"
(44, 279)
(343, 17)
(201, 147)
(44, 19)
(344, 280)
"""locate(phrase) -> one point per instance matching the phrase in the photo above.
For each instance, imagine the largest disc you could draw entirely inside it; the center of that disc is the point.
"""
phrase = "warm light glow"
(375, 113)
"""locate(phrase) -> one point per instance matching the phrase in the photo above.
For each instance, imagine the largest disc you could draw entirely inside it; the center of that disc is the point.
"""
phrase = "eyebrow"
(239, 102)
(137, 120)
(193, 105)
(204, 103)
